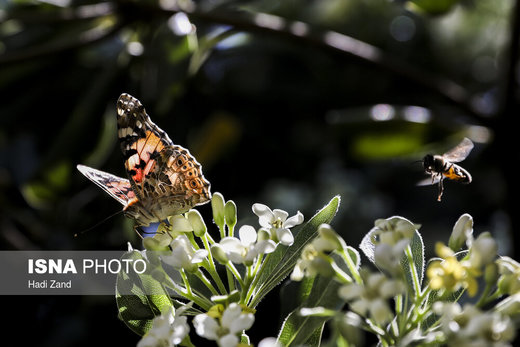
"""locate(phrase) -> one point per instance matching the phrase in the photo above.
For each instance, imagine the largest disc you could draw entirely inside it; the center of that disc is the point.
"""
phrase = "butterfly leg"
(136, 229)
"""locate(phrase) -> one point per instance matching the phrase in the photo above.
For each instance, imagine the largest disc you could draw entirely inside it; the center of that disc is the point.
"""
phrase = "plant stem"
(212, 269)
(413, 270)
(351, 266)
(206, 282)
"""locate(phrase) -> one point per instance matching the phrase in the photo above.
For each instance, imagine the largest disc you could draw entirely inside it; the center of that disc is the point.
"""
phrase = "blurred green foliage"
(285, 103)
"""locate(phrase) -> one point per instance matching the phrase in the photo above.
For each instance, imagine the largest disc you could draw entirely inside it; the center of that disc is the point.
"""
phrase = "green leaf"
(297, 329)
(139, 297)
(282, 261)
(417, 247)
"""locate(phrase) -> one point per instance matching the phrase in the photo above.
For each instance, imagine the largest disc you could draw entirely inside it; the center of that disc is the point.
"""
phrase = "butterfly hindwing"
(117, 187)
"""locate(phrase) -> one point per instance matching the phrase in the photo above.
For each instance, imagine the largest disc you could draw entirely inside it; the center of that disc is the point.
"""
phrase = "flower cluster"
(182, 256)
(168, 330)
(402, 299)
(424, 311)
(468, 325)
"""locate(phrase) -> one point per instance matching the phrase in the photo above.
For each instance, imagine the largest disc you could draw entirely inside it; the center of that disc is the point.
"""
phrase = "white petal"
(180, 330)
(265, 247)
(244, 322)
(266, 222)
(181, 241)
(269, 342)
(250, 256)
(263, 211)
(247, 235)
(177, 258)
(280, 214)
(148, 341)
(350, 291)
(236, 258)
(199, 256)
(228, 340)
(285, 236)
(294, 220)
(231, 244)
(206, 326)
(230, 314)
(297, 274)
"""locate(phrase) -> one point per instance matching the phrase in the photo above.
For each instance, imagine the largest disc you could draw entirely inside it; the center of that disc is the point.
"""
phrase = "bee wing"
(428, 181)
(459, 152)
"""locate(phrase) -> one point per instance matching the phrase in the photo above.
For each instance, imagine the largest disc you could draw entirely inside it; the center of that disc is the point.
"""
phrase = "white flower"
(388, 257)
(370, 299)
(277, 223)
(225, 329)
(245, 250)
(183, 256)
(167, 329)
(269, 342)
(483, 250)
(469, 326)
(312, 262)
(393, 229)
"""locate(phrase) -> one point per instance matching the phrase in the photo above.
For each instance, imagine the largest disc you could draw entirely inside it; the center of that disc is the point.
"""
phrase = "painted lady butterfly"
(163, 179)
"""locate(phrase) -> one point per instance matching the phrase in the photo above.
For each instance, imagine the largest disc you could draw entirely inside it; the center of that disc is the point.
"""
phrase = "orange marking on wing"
(146, 146)
(131, 202)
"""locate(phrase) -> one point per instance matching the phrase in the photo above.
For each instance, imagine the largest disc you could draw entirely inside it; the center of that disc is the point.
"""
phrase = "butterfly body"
(164, 179)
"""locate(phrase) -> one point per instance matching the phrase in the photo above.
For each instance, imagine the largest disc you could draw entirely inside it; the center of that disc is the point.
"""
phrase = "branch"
(336, 42)
(87, 38)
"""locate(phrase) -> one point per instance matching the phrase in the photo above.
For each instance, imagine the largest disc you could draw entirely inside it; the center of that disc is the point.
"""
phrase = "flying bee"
(443, 166)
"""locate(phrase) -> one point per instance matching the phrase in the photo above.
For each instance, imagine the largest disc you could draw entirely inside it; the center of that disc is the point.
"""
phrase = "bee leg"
(441, 189)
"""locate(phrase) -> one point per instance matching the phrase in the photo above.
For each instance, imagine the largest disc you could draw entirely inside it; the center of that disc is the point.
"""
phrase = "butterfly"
(164, 179)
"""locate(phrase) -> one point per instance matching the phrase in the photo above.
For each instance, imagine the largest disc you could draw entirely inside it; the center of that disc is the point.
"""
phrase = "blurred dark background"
(285, 103)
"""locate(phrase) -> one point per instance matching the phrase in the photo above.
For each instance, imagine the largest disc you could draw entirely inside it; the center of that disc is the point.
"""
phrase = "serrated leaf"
(282, 261)
(140, 298)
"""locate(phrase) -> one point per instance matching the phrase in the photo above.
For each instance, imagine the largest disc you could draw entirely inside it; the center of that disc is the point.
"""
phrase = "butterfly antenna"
(98, 223)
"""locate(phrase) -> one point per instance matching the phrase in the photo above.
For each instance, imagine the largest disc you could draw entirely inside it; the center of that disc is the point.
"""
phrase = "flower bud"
(327, 233)
(155, 244)
(491, 273)
(483, 250)
(230, 212)
(179, 223)
(218, 253)
(197, 223)
(462, 231)
(217, 205)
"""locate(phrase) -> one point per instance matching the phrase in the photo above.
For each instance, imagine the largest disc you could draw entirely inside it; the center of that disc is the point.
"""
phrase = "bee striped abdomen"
(457, 173)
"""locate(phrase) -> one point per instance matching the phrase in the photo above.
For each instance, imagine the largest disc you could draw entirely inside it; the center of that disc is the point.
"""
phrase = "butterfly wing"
(459, 152)
(117, 187)
(141, 140)
(157, 168)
